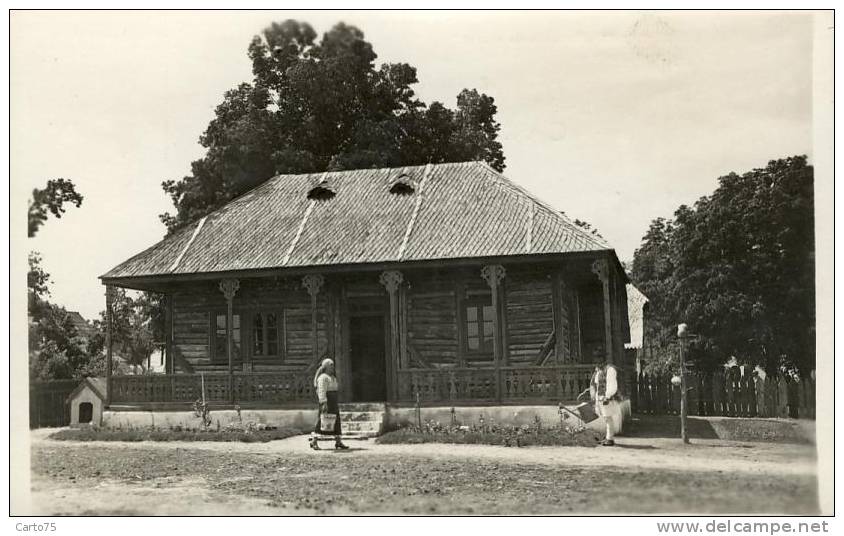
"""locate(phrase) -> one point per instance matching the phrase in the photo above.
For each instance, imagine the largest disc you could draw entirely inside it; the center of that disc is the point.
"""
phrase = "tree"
(50, 199)
(739, 268)
(323, 105)
(56, 349)
(137, 326)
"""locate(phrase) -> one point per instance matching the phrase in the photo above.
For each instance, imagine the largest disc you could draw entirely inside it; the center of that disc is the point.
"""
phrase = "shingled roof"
(442, 211)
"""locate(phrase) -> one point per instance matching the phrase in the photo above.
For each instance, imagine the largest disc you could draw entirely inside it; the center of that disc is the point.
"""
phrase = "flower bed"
(245, 434)
(535, 434)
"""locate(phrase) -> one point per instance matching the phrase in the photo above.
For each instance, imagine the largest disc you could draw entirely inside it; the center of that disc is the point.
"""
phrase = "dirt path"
(644, 453)
(282, 477)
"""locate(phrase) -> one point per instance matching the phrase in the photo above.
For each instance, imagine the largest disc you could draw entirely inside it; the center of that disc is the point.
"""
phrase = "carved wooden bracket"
(392, 280)
(601, 269)
(493, 274)
(313, 284)
(229, 288)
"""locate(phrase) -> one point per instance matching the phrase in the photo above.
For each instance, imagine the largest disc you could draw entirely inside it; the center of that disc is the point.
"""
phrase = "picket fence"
(721, 394)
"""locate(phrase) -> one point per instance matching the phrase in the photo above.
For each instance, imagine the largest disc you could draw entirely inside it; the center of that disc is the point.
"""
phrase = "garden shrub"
(249, 433)
(490, 433)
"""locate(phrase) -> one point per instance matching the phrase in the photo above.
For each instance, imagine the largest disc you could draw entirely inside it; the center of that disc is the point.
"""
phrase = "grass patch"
(509, 436)
(147, 434)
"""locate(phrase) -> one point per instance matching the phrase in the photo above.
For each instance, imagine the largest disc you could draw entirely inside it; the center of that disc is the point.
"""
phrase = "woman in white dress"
(328, 417)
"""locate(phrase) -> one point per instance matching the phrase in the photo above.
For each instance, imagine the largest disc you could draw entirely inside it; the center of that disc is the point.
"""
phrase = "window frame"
(212, 343)
(479, 301)
(281, 336)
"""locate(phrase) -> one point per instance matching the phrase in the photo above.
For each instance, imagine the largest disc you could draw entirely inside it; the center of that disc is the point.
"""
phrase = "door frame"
(346, 390)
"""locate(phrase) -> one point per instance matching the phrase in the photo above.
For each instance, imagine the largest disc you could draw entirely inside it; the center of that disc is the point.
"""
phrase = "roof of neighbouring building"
(83, 327)
(441, 211)
(636, 302)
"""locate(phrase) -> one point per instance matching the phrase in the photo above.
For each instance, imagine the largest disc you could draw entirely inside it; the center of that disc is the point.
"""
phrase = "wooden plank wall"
(620, 321)
(530, 317)
(432, 324)
(434, 319)
(192, 313)
(591, 320)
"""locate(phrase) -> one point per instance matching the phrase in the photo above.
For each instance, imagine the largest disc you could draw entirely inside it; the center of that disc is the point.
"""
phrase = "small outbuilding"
(87, 401)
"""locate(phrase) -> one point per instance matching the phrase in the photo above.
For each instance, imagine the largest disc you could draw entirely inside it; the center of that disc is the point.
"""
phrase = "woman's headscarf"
(321, 369)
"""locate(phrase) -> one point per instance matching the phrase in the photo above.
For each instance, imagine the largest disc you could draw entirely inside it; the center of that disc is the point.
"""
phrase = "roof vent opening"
(321, 192)
(403, 185)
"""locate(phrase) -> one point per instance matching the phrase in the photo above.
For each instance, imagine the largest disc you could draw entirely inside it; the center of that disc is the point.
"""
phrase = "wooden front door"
(367, 349)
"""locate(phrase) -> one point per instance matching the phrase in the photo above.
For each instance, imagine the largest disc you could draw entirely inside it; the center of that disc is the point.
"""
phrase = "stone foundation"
(395, 416)
(282, 418)
(508, 415)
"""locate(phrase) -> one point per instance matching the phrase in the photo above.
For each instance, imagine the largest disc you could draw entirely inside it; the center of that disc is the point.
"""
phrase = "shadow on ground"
(724, 428)
(668, 426)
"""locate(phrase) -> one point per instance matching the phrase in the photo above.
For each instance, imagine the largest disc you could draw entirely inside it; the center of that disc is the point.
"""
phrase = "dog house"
(87, 401)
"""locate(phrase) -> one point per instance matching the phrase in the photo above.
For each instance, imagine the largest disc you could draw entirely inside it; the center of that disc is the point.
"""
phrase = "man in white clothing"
(605, 395)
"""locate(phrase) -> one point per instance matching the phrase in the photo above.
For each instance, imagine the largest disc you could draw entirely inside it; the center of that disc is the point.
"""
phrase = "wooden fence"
(48, 403)
(726, 395)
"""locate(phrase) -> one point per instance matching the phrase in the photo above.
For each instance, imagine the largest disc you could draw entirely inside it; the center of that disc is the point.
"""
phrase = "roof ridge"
(416, 208)
(507, 182)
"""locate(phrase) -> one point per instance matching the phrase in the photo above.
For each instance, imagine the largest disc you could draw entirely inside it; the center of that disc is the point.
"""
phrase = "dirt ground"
(641, 475)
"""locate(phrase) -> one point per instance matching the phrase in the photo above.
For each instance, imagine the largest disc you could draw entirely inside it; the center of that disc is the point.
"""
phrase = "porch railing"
(476, 384)
(261, 387)
(489, 384)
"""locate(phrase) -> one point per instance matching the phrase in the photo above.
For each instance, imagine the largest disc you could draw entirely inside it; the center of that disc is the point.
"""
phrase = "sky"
(615, 118)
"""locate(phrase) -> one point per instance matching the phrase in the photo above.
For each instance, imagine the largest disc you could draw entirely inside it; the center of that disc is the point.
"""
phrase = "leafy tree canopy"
(316, 105)
(50, 199)
(137, 325)
(56, 349)
(738, 267)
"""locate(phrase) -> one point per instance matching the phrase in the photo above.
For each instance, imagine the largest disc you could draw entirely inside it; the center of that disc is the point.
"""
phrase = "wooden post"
(168, 334)
(600, 267)
(313, 284)
(340, 354)
(560, 329)
(577, 351)
(684, 434)
(460, 316)
(404, 359)
(493, 274)
(229, 288)
(392, 280)
(109, 338)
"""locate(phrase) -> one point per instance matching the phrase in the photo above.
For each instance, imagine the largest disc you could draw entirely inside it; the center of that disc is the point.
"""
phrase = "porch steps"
(362, 419)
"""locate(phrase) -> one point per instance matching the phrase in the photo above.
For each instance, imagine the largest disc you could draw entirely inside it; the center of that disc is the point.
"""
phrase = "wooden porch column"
(600, 267)
(392, 280)
(559, 312)
(109, 301)
(169, 366)
(229, 288)
(493, 274)
(313, 284)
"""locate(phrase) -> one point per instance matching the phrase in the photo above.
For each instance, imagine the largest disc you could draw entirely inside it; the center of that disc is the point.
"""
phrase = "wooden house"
(442, 284)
